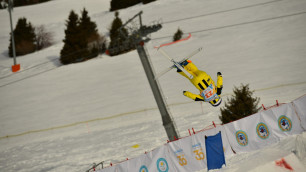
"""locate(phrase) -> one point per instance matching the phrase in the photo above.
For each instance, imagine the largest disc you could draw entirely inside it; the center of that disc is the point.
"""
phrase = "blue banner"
(214, 151)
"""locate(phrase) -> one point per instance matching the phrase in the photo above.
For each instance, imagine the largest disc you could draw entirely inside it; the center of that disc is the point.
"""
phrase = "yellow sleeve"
(219, 81)
(194, 97)
(219, 84)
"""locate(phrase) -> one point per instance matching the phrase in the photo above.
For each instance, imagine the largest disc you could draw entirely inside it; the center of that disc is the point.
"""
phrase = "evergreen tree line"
(28, 38)
(120, 4)
(82, 40)
(18, 3)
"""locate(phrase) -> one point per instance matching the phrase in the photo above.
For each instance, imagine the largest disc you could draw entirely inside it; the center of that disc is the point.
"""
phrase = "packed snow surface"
(65, 118)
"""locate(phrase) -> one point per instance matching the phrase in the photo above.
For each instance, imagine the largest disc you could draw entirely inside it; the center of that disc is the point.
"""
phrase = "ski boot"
(183, 64)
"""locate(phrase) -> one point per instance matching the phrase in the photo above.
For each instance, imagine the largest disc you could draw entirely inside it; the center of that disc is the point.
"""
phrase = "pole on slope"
(166, 119)
(9, 5)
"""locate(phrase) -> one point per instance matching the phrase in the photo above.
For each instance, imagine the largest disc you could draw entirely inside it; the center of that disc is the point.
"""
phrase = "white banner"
(161, 161)
(263, 128)
(244, 135)
(284, 121)
(188, 154)
(300, 107)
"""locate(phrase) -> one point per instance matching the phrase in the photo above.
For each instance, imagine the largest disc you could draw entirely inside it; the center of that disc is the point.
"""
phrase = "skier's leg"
(219, 83)
(190, 67)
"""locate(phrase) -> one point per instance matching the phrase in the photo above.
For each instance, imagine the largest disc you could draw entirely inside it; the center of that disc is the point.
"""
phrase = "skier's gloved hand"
(219, 90)
(219, 73)
(184, 92)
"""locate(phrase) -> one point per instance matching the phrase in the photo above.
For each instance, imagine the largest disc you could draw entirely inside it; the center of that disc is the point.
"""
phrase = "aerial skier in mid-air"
(209, 92)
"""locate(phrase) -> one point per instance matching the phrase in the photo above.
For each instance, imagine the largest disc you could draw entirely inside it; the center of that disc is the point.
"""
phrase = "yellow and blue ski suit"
(203, 82)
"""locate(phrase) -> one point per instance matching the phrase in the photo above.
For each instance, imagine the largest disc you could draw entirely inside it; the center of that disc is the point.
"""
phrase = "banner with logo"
(161, 161)
(300, 107)
(263, 128)
(252, 132)
(284, 121)
(188, 154)
(242, 133)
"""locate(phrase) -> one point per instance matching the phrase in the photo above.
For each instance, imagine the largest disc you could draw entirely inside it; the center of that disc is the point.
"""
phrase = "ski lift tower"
(138, 36)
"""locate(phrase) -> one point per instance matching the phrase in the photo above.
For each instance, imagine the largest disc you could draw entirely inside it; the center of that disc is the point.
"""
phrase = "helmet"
(218, 102)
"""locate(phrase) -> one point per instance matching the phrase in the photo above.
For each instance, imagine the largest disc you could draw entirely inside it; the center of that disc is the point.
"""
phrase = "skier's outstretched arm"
(219, 83)
(194, 97)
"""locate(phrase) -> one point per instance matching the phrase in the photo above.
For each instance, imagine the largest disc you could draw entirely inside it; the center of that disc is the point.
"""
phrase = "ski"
(173, 66)
(175, 63)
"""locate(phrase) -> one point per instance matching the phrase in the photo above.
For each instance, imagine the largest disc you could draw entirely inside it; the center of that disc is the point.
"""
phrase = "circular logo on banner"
(242, 138)
(284, 123)
(162, 165)
(143, 169)
(262, 130)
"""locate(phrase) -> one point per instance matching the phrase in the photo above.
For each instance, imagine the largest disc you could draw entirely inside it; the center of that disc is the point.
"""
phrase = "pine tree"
(24, 37)
(88, 28)
(89, 32)
(178, 35)
(72, 45)
(117, 37)
(240, 105)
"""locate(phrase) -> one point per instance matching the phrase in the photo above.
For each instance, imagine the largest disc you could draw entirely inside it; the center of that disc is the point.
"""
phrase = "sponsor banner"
(265, 128)
(188, 154)
(300, 107)
(284, 121)
(252, 132)
(160, 160)
(242, 134)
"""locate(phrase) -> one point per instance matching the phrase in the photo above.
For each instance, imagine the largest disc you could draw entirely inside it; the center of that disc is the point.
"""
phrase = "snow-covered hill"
(62, 118)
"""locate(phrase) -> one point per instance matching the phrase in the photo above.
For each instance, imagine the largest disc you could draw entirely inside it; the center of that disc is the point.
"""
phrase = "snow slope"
(61, 118)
